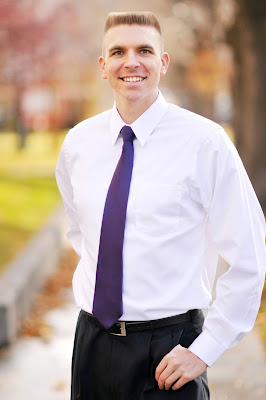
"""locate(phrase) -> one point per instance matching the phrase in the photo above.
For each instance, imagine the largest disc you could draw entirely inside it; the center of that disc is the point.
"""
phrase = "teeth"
(133, 79)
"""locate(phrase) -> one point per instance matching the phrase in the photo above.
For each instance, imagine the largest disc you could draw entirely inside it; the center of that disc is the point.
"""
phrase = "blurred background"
(49, 81)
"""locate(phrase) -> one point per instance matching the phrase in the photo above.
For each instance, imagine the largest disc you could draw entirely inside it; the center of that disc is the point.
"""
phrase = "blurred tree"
(46, 45)
(200, 62)
(247, 37)
(21, 45)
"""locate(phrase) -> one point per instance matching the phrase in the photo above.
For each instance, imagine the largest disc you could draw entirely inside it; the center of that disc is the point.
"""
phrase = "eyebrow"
(115, 48)
(142, 46)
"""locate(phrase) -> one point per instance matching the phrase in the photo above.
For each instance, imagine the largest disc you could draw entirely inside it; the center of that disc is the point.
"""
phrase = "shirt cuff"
(207, 348)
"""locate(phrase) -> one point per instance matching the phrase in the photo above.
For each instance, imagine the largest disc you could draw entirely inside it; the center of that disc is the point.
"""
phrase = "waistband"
(121, 328)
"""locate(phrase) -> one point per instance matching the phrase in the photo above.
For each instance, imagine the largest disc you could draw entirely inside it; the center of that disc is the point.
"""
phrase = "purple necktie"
(107, 304)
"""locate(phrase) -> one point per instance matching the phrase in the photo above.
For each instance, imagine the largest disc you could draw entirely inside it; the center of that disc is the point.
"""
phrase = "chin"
(134, 96)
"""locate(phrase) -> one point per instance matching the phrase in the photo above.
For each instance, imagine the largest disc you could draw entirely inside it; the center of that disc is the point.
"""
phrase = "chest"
(162, 192)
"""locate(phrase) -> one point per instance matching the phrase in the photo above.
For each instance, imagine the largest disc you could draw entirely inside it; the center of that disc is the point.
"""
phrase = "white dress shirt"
(190, 199)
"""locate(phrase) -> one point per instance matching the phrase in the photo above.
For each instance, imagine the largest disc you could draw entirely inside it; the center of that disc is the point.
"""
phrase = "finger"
(181, 382)
(160, 368)
(171, 379)
(165, 375)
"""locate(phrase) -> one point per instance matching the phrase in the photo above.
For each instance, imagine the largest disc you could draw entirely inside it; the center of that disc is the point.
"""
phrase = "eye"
(117, 53)
(145, 51)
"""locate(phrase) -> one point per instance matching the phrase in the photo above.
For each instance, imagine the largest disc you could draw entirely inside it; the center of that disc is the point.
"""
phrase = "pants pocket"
(162, 343)
(191, 331)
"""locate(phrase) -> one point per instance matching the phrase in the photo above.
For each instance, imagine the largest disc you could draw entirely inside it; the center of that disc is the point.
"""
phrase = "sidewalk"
(240, 374)
(37, 369)
(33, 369)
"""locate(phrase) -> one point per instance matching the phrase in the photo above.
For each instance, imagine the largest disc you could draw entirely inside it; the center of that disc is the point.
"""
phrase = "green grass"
(25, 203)
(28, 191)
(37, 158)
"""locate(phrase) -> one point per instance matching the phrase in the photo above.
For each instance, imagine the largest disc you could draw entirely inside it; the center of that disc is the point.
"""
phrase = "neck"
(130, 111)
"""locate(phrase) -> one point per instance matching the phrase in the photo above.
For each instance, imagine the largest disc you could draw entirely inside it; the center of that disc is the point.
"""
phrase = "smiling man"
(133, 62)
(153, 193)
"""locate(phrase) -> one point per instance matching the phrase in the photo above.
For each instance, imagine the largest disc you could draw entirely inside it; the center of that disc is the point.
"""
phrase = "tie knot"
(127, 134)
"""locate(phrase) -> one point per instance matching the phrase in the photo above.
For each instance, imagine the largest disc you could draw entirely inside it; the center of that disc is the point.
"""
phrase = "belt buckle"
(122, 329)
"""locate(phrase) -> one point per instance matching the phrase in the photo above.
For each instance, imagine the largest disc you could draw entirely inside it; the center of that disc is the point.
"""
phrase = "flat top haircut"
(145, 18)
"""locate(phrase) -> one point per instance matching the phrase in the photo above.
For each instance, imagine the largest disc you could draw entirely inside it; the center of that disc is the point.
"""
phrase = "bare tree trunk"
(20, 127)
(248, 39)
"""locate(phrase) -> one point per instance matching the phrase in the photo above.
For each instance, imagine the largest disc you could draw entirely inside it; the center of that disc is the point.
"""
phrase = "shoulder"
(88, 127)
(199, 129)
(190, 120)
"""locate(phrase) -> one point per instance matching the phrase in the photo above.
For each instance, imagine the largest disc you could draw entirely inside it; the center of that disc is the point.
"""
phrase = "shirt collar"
(144, 125)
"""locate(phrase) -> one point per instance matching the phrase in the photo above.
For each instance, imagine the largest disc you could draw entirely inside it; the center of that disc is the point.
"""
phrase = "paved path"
(240, 374)
(34, 369)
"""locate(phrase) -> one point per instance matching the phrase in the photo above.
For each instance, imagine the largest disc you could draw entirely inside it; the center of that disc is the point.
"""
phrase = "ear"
(165, 59)
(102, 67)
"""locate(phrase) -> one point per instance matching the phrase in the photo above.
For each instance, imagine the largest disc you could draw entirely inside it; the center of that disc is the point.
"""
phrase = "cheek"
(113, 70)
(156, 69)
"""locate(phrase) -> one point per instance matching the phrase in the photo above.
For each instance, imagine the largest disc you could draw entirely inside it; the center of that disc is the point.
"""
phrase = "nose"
(131, 59)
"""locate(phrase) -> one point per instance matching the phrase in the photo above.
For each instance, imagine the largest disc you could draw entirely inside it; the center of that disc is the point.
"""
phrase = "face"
(133, 62)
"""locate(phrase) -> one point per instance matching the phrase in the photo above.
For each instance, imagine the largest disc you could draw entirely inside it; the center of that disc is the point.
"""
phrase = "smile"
(133, 79)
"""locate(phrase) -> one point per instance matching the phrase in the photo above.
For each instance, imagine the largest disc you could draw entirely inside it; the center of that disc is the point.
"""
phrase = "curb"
(24, 276)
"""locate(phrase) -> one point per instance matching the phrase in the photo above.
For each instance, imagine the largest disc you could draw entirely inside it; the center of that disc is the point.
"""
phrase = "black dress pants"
(109, 367)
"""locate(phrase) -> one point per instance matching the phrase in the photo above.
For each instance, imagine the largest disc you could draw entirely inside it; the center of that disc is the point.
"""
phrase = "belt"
(121, 328)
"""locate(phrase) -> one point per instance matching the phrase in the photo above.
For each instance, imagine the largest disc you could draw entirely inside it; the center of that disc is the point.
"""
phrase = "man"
(152, 194)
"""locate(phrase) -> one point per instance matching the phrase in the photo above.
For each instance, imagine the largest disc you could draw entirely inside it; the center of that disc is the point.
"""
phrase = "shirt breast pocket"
(158, 208)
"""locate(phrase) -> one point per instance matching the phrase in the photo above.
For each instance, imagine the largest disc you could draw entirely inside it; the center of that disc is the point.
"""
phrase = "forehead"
(132, 35)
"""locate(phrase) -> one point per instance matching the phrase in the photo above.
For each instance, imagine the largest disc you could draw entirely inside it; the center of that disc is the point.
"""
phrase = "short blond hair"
(145, 18)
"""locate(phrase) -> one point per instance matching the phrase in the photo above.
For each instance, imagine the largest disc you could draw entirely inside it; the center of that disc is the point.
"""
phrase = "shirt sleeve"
(63, 180)
(236, 227)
